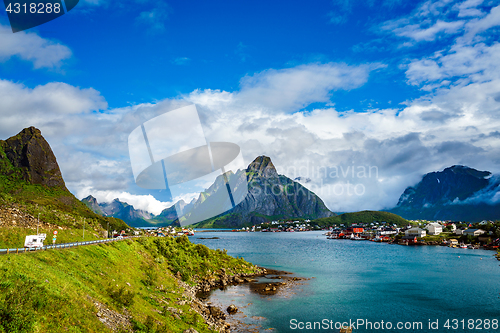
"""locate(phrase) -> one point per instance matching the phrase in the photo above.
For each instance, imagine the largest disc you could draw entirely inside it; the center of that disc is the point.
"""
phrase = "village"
(485, 234)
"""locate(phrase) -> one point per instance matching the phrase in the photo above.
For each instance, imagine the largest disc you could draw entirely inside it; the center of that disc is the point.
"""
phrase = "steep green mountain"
(31, 184)
(270, 196)
(28, 156)
(366, 216)
(457, 193)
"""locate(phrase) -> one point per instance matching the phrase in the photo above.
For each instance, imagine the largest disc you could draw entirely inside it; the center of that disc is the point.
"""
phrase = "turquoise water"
(368, 281)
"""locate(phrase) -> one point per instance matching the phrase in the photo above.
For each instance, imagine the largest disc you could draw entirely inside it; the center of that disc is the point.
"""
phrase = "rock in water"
(232, 309)
(216, 312)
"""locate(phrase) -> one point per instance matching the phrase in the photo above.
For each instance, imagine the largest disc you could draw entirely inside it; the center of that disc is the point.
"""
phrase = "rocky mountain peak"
(456, 193)
(465, 170)
(92, 203)
(31, 153)
(90, 199)
(263, 167)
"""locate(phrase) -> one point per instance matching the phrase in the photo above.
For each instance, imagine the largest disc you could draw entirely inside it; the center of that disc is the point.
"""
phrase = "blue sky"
(408, 87)
(144, 51)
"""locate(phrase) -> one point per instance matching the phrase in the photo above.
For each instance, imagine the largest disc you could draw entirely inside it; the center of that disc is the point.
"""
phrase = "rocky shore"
(216, 317)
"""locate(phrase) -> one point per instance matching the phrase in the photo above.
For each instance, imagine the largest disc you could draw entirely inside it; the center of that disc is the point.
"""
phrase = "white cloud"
(45, 105)
(477, 62)
(337, 18)
(418, 33)
(477, 26)
(154, 17)
(181, 60)
(470, 58)
(451, 124)
(433, 19)
(469, 8)
(291, 89)
(31, 47)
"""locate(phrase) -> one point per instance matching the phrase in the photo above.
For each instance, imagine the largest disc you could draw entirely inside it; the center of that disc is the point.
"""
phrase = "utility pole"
(108, 230)
(83, 229)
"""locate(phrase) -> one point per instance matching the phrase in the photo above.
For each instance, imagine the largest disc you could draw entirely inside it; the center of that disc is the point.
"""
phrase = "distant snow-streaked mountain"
(133, 217)
(457, 193)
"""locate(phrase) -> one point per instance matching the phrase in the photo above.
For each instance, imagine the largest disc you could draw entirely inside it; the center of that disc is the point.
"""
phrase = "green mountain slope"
(366, 216)
(30, 181)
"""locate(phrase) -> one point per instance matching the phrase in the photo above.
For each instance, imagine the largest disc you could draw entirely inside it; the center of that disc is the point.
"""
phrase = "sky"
(357, 98)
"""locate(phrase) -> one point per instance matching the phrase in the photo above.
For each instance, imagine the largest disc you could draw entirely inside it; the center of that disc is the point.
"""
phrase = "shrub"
(19, 304)
(202, 250)
(149, 326)
(121, 297)
(151, 276)
(183, 240)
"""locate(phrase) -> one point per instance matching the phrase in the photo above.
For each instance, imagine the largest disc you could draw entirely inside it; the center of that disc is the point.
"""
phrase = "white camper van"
(34, 241)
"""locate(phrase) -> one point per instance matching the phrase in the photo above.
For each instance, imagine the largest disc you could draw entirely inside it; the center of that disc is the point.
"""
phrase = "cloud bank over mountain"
(359, 158)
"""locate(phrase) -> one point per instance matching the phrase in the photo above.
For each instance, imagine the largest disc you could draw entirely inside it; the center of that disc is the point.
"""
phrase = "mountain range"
(30, 175)
(457, 193)
(270, 196)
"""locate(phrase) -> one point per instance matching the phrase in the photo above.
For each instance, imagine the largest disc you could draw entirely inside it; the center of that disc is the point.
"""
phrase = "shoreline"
(220, 319)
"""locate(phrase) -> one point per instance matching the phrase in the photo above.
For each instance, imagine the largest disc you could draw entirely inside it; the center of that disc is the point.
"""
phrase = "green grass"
(365, 216)
(441, 236)
(55, 290)
(55, 205)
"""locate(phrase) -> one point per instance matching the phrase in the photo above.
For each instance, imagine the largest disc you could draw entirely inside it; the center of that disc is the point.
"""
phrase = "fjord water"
(365, 280)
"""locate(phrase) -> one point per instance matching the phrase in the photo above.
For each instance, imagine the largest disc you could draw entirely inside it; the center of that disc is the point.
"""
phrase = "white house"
(386, 231)
(459, 232)
(418, 232)
(473, 232)
(434, 228)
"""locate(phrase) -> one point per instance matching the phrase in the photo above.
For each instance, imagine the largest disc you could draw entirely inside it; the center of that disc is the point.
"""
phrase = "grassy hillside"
(14, 237)
(55, 205)
(233, 220)
(69, 290)
(366, 216)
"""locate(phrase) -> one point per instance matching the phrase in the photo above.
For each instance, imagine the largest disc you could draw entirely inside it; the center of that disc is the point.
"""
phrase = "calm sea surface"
(364, 280)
